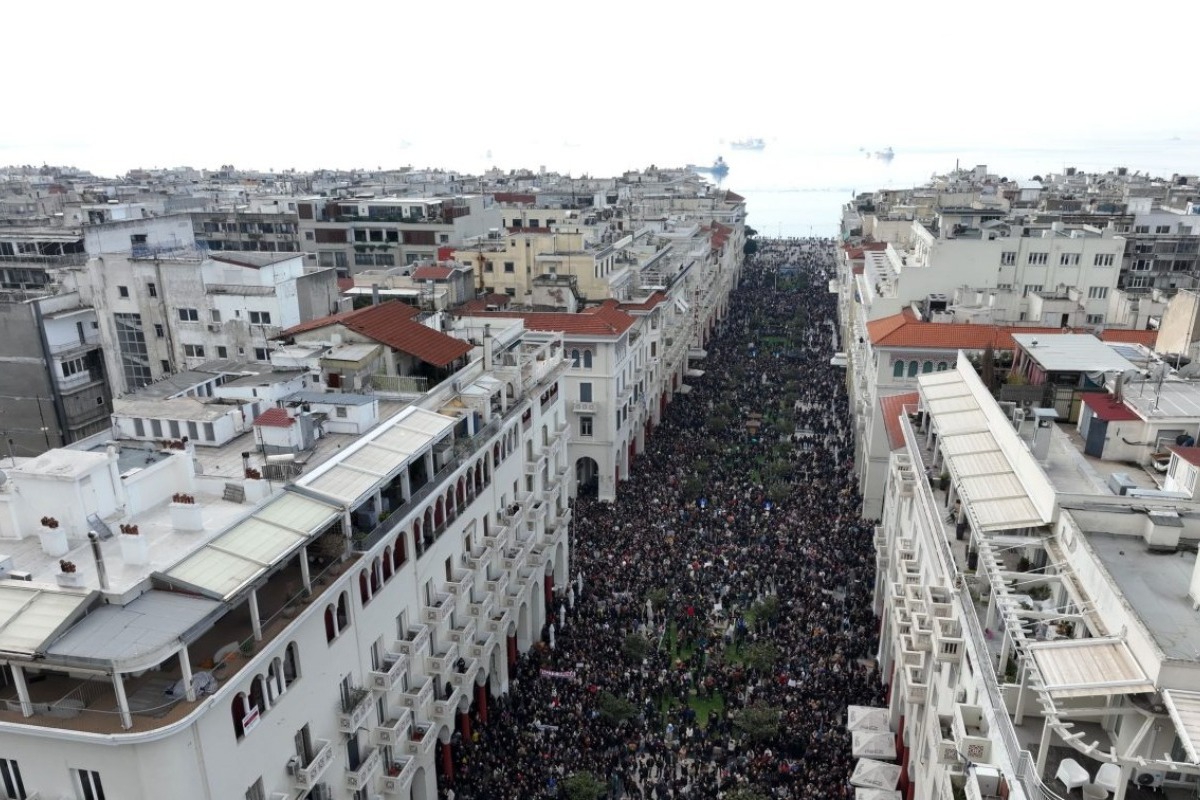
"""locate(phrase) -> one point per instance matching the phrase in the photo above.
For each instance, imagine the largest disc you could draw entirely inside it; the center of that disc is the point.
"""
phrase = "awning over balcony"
(139, 635)
(239, 556)
(873, 744)
(684, 388)
(696, 353)
(866, 718)
(871, 774)
(1088, 668)
(1184, 708)
(378, 454)
(695, 373)
(1001, 485)
(31, 617)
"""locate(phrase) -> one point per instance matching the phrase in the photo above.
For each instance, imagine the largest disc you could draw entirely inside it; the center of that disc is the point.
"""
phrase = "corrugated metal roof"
(1184, 708)
(237, 557)
(1089, 667)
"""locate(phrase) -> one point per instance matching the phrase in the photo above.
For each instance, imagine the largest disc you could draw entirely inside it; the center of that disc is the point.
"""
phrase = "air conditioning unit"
(293, 766)
(1149, 778)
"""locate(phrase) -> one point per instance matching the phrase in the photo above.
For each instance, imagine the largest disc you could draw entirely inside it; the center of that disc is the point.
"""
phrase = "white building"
(322, 641)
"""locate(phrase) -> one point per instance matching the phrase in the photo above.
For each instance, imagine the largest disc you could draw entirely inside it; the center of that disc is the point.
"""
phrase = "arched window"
(376, 575)
(575, 358)
(898, 369)
(587, 359)
(291, 664)
(942, 366)
(927, 366)
(364, 587)
(331, 631)
(387, 563)
(238, 711)
(274, 680)
(343, 612)
(912, 369)
(398, 551)
(258, 694)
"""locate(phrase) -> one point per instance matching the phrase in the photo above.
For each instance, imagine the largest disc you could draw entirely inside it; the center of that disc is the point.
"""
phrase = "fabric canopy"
(876, 794)
(875, 744)
(866, 718)
(872, 774)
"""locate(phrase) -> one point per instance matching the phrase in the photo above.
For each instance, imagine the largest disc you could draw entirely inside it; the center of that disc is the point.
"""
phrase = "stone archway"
(587, 477)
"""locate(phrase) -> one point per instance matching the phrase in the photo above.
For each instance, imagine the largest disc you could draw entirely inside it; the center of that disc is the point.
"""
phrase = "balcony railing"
(366, 772)
(442, 663)
(89, 340)
(356, 705)
(394, 665)
(309, 775)
(415, 643)
(465, 633)
(418, 696)
(581, 407)
(439, 611)
(394, 729)
(398, 776)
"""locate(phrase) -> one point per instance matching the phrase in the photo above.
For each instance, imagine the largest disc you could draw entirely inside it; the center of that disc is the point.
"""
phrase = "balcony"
(446, 708)
(947, 640)
(394, 729)
(398, 776)
(309, 775)
(536, 464)
(418, 697)
(483, 608)
(366, 772)
(580, 407)
(415, 643)
(441, 664)
(515, 554)
(464, 633)
(497, 536)
(89, 341)
(465, 678)
(462, 584)
(394, 665)
(356, 705)
(439, 611)
(497, 588)
(76, 381)
(485, 639)
(498, 623)
(421, 741)
(480, 558)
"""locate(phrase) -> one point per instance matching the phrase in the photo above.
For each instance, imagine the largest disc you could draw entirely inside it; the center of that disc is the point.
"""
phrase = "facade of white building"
(322, 641)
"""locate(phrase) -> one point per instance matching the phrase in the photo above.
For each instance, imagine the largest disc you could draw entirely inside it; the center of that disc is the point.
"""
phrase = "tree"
(761, 656)
(583, 786)
(636, 647)
(615, 709)
(658, 598)
(759, 722)
(767, 608)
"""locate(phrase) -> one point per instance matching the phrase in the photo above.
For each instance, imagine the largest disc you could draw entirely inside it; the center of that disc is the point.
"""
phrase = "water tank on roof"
(1120, 483)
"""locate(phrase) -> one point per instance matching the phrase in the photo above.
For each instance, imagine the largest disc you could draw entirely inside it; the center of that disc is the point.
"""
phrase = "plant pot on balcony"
(135, 549)
(54, 541)
(186, 517)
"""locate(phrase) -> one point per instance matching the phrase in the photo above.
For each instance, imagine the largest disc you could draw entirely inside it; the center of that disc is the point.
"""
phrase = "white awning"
(682, 305)
(697, 353)
(876, 794)
(374, 457)
(33, 616)
(1184, 708)
(684, 388)
(873, 744)
(1001, 485)
(872, 774)
(866, 718)
(1088, 667)
(237, 557)
(695, 373)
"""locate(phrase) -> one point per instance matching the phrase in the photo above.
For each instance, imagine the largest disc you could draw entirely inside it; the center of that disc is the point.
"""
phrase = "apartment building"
(245, 231)
(1034, 603)
(165, 311)
(322, 639)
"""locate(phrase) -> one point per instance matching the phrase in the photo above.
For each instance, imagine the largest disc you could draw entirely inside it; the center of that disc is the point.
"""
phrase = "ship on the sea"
(748, 144)
(718, 170)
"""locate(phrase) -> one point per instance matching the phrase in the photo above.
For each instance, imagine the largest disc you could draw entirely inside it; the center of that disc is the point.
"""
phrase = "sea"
(795, 186)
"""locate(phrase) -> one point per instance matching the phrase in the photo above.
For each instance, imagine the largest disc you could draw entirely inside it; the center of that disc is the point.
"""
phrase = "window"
(256, 792)
(1142, 265)
(927, 366)
(222, 351)
(575, 359)
(1005, 286)
(898, 369)
(1095, 319)
(1069, 260)
(912, 369)
(509, 266)
(89, 784)
(1138, 281)
(262, 354)
(1031, 288)
(260, 317)
(210, 433)
(587, 359)
(152, 289)
(585, 426)
(488, 266)
(73, 367)
(123, 291)
(193, 350)
(1008, 258)
(1141, 228)
(340, 412)
(585, 392)
(942, 366)
(510, 291)
(158, 330)
(1038, 259)
(215, 315)
(10, 776)
(1103, 260)
(189, 315)
(165, 364)
(1162, 229)
(1097, 292)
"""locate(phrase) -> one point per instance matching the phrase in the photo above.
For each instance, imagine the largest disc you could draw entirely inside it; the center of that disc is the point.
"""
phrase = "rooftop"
(253, 259)
(1071, 352)
(1171, 399)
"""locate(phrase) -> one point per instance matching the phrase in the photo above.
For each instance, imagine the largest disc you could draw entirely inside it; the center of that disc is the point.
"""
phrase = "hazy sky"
(111, 86)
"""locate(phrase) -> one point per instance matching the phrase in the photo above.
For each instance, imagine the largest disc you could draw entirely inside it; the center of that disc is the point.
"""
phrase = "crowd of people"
(725, 619)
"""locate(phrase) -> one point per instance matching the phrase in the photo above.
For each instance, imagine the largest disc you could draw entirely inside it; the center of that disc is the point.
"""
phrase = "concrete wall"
(1178, 333)
(26, 392)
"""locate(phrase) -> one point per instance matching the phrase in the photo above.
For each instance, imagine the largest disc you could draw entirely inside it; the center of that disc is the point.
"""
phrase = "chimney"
(101, 572)
(487, 347)
(374, 294)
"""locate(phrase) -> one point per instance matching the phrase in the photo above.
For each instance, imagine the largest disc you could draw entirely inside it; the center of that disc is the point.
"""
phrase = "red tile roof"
(397, 308)
(432, 273)
(274, 418)
(603, 320)
(387, 324)
(903, 330)
(1147, 338)
(514, 197)
(733, 197)
(893, 407)
(481, 303)
(345, 284)
(1108, 408)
